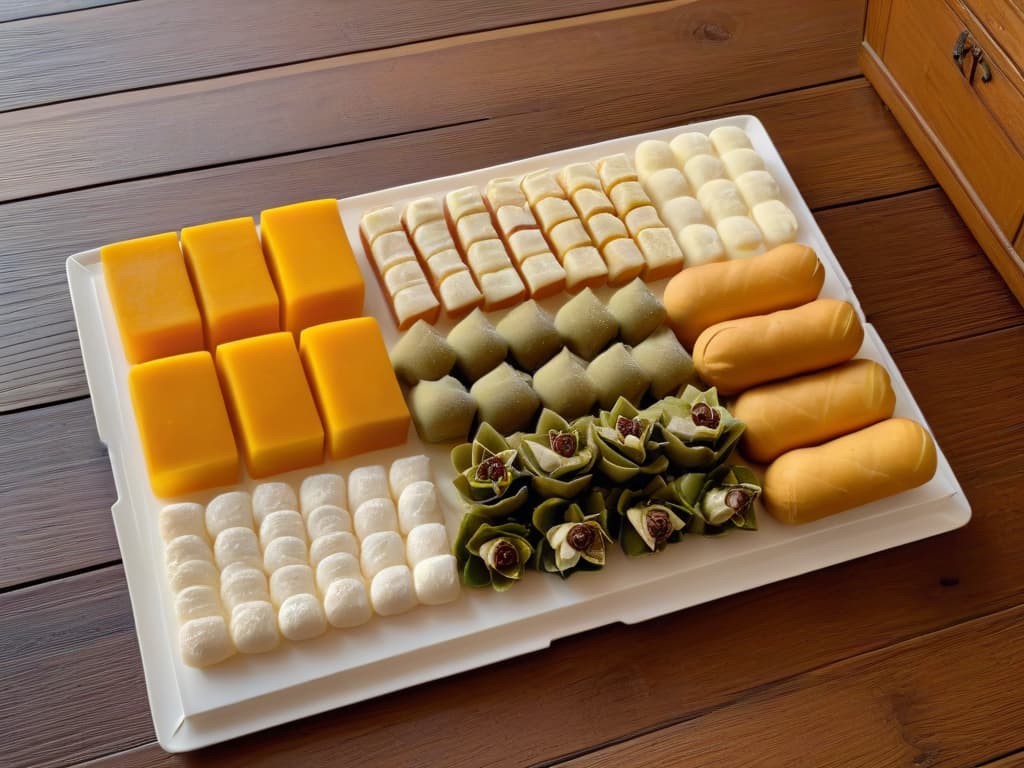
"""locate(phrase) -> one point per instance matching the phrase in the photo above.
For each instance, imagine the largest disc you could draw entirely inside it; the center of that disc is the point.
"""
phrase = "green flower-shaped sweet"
(495, 555)
(719, 500)
(560, 456)
(488, 478)
(574, 537)
(650, 520)
(698, 433)
(626, 443)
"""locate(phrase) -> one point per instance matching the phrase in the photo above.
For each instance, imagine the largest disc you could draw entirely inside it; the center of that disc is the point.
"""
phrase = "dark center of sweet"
(492, 469)
(563, 444)
(581, 537)
(704, 415)
(628, 427)
(659, 526)
(737, 499)
(505, 556)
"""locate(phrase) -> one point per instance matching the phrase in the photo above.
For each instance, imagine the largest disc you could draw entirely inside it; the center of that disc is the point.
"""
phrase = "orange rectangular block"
(355, 387)
(271, 404)
(311, 261)
(231, 281)
(183, 424)
(152, 297)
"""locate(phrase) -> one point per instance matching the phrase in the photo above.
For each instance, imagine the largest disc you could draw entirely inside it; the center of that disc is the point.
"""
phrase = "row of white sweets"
(319, 558)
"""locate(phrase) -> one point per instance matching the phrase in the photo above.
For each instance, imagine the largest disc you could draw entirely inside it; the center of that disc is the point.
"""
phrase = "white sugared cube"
(540, 184)
(739, 161)
(418, 505)
(301, 617)
(681, 212)
(502, 288)
(392, 591)
(184, 548)
(339, 565)
(661, 252)
(328, 519)
(701, 169)
(291, 580)
(652, 156)
(332, 543)
(379, 551)
(433, 237)
(589, 202)
(242, 585)
(624, 260)
(185, 519)
(282, 523)
(370, 482)
(443, 265)
(687, 145)
(627, 196)
(391, 250)
(412, 303)
(373, 516)
(346, 603)
(475, 228)
(504, 192)
(644, 217)
(197, 603)
(487, 256)
(741, 237)
(436, 580)
(666, 184)
(228, 510)
(616, 169)
(577, 176)
(464, 202)
(204, 642)
(404, 276)
(378, 222)
(721, 199)
(192, 573)
(284, 551)
(406, 470)
(515, 218)
(526, 243)
(729, 137)
(421, 211)
(459, 293)
(254, 627)
(425, 541)
(272, 497)
(701, 245)
(318, 490)
(543, 275)
(584, 267)
(553, 210)
(757, 186)
(776, 221)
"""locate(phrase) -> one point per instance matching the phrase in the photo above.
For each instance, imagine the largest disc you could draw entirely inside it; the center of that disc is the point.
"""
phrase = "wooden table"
(127, 118)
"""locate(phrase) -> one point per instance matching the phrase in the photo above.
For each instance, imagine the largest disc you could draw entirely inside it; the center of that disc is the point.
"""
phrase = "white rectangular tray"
(192, 708)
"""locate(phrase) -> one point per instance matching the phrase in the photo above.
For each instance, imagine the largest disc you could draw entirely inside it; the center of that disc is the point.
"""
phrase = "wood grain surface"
(11, 10)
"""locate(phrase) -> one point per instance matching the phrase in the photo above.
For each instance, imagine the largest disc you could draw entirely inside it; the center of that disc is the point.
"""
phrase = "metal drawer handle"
(960, 46)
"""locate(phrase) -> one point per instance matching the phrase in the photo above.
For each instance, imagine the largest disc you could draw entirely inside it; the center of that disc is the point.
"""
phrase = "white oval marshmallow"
(204, 642)
(392, 591)
(701, 245)
(426, 541)
(418, 505)
(687, 145)
(729, 137)
(254, 627)
(776, 221)
(701, 169)
(291, 580)
(374, 516)
(184, 548)
(242, 585)
(652, 156)
(666, 184)
(228, 510)
(346, 603)
(192, 573)
(318, 490)
(379, 551)
(437, 580)
(197, 603)
(185, 519)
(330, 544)
(328, 518)
(338, 565)
(285, 550)
(721, 198)
(367, 483)
(741, 237)
(680, 212)
(407, 470)
(301, 617)
(272, 497)
(284, 522)
(237, 545)
(739, 161)
(757, 186)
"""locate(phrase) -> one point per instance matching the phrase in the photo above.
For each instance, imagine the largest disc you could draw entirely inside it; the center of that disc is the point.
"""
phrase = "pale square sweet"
(417, 302)
(185, 519)
(540, 184)
(444, 264)
(402, 276)
(271, 497)
(624, 260)
(487, 256)
(543, 275)
(502, 288)
(553, 210)
(721, 199)
(513, 218)
(605, 227)
(346, 603)
(615, 169)
(577, 176)
(584, 268)
(328, 518)
(701, 245)
(757, 187)
(589, 202)
(329, 544)
(339, 565)
(666, 184)
(687, 145)
(284, 551)
(526, 243)
(318, 490)
(437, 580)
(459, 293)
(661, 252)
(776, 221)
(419, 212)
(728, 137)
(407, 470)
(568, 235)
(205, 642)
(254, 627)
(228, 510)
(379, 222)
(281, 523)
(192, 573)
(291, 580)
(301, 617)
(464, 202)
(432, 237)
(701, 169)
(473, 228)
(652, 156)
(392, 591)
(379, 551)
(418, 505)
(741, 237)
(642, 218)
(627, 196)
(237, 545)
(391, 249)
(196, 603)
(242, 585)
(181, 549)
(423, 541)
(681, 212)
(739, 161)
(504, 191)
(373, 516)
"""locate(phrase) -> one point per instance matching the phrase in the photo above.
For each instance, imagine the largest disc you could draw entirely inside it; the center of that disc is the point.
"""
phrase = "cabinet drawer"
(918, 53)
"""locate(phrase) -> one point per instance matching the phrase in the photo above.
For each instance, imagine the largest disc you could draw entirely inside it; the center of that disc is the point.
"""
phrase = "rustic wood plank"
(37, 337)
(56, 492)
(947, 699)
(1010, 761)
(638, 59)
(784, 629)
(13, 10)
(167, 41)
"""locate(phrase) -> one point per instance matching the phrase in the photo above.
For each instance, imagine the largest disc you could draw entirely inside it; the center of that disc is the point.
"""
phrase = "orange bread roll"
(814, 408)
(784, 277)
(882, 460)
(738, 354)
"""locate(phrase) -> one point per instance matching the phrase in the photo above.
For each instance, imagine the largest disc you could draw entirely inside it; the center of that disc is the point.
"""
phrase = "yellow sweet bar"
(354, 385)
(236, 295)
(152, 298)
(183, 424)
(271, 405)
(312, 264)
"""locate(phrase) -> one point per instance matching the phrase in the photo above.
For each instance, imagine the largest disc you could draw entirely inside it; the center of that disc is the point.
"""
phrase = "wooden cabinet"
(951, 71)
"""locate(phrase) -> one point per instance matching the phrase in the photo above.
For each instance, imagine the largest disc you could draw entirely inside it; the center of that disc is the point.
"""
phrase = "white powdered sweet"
(284, 522)
(184, 548)
(418, 505)
(254, 627)
(328, 518)
(192, 573)
(317, 490)
(330, 544)
(205, 641)
(426, 541)
(228, 510)
(242, 584)
(407, 470)
(272, 497)
(436, 580)
(237, 545)
(346, 603)
(381, 550)
(301, 617)
(291, 580)
(367, 483)
(285, 550)
(373, 516)
(392, 591)
(196, 603)
(184, 519)
(338, 565)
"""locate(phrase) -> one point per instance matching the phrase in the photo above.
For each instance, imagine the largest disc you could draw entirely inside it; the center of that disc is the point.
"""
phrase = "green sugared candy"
(616, 373)
(637, 311)
(422, 354)
(585, 324)
(478, 346)
(563, 386)
(531, 335)
(441, 410)
(505, 399)
(666, 363)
